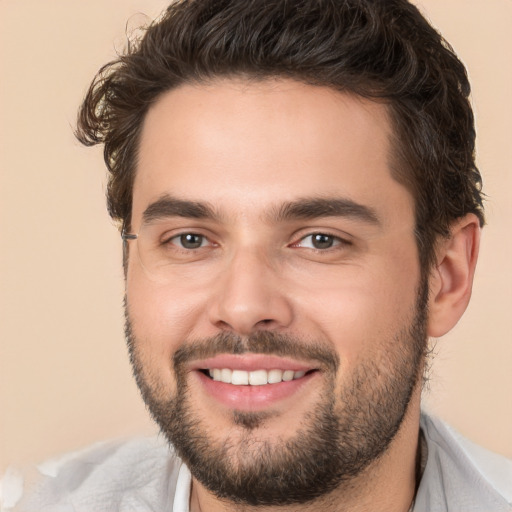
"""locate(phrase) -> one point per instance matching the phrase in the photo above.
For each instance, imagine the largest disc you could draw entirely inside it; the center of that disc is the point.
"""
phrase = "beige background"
(64, 376)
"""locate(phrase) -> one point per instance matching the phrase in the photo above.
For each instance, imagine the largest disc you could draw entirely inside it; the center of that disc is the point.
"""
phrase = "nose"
(249, 296)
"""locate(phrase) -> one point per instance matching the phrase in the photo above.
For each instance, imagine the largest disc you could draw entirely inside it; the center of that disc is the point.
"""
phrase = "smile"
(253, 382)
(254, 378)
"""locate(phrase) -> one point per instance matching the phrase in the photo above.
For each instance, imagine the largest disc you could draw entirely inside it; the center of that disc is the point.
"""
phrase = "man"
(300, 208)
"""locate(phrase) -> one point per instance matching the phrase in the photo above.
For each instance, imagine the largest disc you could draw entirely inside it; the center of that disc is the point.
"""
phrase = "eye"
(320, 241)
(189, 241)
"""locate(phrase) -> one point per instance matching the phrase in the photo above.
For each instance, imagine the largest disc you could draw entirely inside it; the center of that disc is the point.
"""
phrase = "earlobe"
(452, 279)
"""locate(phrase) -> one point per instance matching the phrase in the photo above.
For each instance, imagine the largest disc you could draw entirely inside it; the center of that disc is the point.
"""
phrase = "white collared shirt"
(145, 475)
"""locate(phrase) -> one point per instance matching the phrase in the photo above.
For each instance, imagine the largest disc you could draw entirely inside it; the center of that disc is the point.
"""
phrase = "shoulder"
(139, 474)
(461, 475)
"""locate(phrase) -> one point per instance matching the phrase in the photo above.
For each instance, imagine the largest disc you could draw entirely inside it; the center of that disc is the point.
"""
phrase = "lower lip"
(252, 398)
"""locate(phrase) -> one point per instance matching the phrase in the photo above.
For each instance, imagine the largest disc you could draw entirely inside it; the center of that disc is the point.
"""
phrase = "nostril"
(266, 321)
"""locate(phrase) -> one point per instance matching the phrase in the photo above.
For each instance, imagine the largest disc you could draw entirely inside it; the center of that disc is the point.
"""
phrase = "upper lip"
(251, 362)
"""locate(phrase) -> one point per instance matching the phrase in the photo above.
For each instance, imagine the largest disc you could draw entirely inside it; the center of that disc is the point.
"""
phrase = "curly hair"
(383, 50)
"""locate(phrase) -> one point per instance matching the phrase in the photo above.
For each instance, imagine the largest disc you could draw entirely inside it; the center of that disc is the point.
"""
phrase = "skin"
(246, 149)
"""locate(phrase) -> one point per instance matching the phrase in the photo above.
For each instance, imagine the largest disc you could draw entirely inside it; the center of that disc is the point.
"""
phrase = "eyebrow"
(168, 206)
(312, 208)
(301, 209)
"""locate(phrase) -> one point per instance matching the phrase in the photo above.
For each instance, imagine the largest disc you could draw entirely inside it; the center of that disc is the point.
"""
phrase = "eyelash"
(180, 236)
(336, 241)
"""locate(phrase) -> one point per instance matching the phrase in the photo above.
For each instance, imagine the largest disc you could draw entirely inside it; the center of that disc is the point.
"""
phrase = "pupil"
(191, 241)
(321, 241)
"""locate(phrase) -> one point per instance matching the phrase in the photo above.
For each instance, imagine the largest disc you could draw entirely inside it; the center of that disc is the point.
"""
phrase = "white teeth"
(226, 375)
(254, 378)
(287, 375)
(275, 376)
(240, 378)
(258, 378)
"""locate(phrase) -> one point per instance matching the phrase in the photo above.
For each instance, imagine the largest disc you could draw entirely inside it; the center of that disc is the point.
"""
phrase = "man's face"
(274, 245)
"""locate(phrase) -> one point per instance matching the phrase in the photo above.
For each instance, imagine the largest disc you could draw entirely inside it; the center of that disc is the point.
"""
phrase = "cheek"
(163, 318)
(160, 321)
(359, 310)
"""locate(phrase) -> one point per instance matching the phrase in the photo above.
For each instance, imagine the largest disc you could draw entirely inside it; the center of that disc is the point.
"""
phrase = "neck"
(388, 484)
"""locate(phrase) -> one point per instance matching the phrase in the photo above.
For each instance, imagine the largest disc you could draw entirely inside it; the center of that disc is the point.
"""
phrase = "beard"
(337, 440)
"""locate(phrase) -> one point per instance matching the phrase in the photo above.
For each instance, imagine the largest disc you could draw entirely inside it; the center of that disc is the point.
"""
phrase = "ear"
(451, 280)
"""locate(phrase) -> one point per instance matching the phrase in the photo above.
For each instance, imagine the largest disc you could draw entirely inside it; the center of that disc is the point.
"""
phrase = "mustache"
(261, 342)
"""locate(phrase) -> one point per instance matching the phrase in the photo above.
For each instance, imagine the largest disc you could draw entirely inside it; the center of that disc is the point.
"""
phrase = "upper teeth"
(254, 378)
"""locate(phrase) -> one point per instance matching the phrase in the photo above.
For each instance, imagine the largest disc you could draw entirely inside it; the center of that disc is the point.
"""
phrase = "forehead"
(243, 146)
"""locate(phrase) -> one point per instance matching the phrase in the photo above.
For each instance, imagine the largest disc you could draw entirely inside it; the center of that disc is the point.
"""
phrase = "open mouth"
(253, 378)
(255, 382)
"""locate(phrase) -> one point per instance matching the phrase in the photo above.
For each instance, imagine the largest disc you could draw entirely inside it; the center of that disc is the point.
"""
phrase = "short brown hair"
(384, 50)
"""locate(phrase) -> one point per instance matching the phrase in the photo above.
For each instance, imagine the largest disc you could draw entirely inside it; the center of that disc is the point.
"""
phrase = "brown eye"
(322, 241)
(190, 240)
